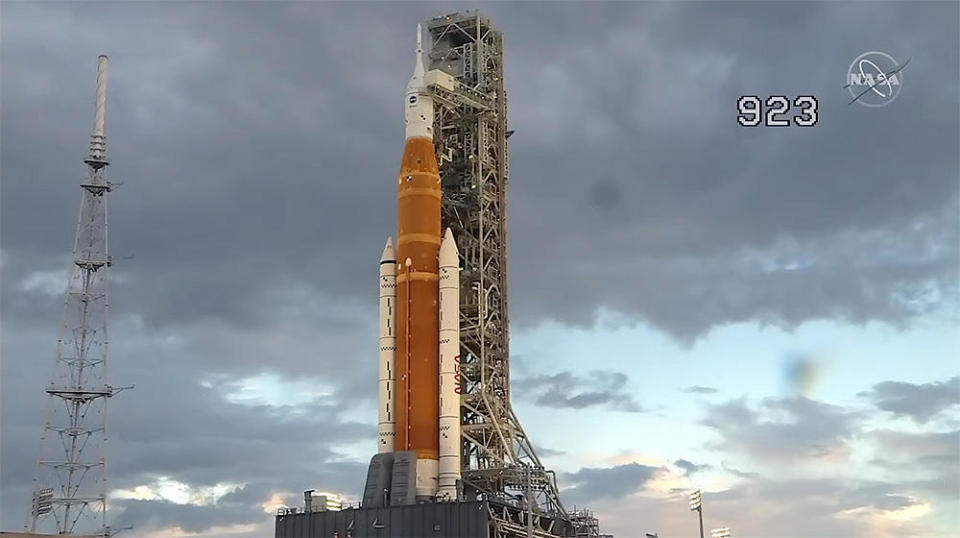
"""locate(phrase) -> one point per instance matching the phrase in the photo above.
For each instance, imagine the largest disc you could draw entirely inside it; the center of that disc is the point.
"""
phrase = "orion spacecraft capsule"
(419, 312)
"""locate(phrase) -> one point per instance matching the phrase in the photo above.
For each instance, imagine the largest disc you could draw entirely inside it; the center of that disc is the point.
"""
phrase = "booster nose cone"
(448, 247)
(389, 253)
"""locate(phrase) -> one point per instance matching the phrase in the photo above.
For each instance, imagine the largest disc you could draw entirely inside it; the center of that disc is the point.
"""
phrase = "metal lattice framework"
(69, 486)
(499, 462)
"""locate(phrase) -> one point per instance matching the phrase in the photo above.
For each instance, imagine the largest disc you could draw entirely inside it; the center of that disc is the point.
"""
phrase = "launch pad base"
(468, 519)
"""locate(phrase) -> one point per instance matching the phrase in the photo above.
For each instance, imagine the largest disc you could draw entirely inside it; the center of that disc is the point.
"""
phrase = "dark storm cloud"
(919, 402)
(567, 390)
(247, 150)
(227, 192)
(608, 482)
(716, 223)
(794, 428)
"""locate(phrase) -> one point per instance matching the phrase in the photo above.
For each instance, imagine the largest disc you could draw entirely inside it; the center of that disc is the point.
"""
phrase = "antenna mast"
(70, 482)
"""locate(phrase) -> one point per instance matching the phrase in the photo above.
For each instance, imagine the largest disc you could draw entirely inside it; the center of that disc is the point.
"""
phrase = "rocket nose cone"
(389, 254)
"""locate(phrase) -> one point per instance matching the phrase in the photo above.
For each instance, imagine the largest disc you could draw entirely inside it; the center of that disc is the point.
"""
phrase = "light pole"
(696, 504)
(720, 533)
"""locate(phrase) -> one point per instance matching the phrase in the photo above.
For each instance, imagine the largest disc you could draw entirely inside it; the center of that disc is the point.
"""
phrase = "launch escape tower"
(470, 126)
(70, 482)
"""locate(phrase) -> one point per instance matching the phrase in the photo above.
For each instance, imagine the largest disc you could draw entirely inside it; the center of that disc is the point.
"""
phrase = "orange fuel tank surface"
(418, 240)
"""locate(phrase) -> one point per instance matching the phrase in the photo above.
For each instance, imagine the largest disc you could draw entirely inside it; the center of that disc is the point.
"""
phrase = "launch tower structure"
(470, 136)
(502, 490)
(70, 482)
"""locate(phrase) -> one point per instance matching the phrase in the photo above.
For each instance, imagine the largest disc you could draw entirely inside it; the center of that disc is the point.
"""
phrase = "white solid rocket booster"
(388, 347)
(449, 307)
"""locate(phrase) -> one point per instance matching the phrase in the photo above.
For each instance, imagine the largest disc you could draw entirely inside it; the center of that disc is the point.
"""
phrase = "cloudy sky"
(767, 314)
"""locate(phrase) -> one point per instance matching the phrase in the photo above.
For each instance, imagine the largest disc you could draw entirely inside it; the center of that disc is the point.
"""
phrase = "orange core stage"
(418, 244)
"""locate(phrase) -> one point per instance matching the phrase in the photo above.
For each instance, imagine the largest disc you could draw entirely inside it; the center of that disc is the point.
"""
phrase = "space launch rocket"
(419, 312)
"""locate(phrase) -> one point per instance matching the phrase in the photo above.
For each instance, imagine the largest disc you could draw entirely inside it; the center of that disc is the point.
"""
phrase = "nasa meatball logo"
(874, 79)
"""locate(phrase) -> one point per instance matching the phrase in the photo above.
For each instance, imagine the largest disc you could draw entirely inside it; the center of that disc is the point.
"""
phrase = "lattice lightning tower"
(70, 483)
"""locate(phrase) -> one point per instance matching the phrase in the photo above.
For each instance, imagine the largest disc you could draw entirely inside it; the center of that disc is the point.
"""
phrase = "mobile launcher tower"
(453, 459)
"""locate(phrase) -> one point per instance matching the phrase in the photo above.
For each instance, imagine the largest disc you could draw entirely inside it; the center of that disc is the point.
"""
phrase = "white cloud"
(174, 491)
(46, 282)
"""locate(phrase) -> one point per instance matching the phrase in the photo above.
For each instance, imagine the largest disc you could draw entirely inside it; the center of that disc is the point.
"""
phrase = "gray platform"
(447, 520)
